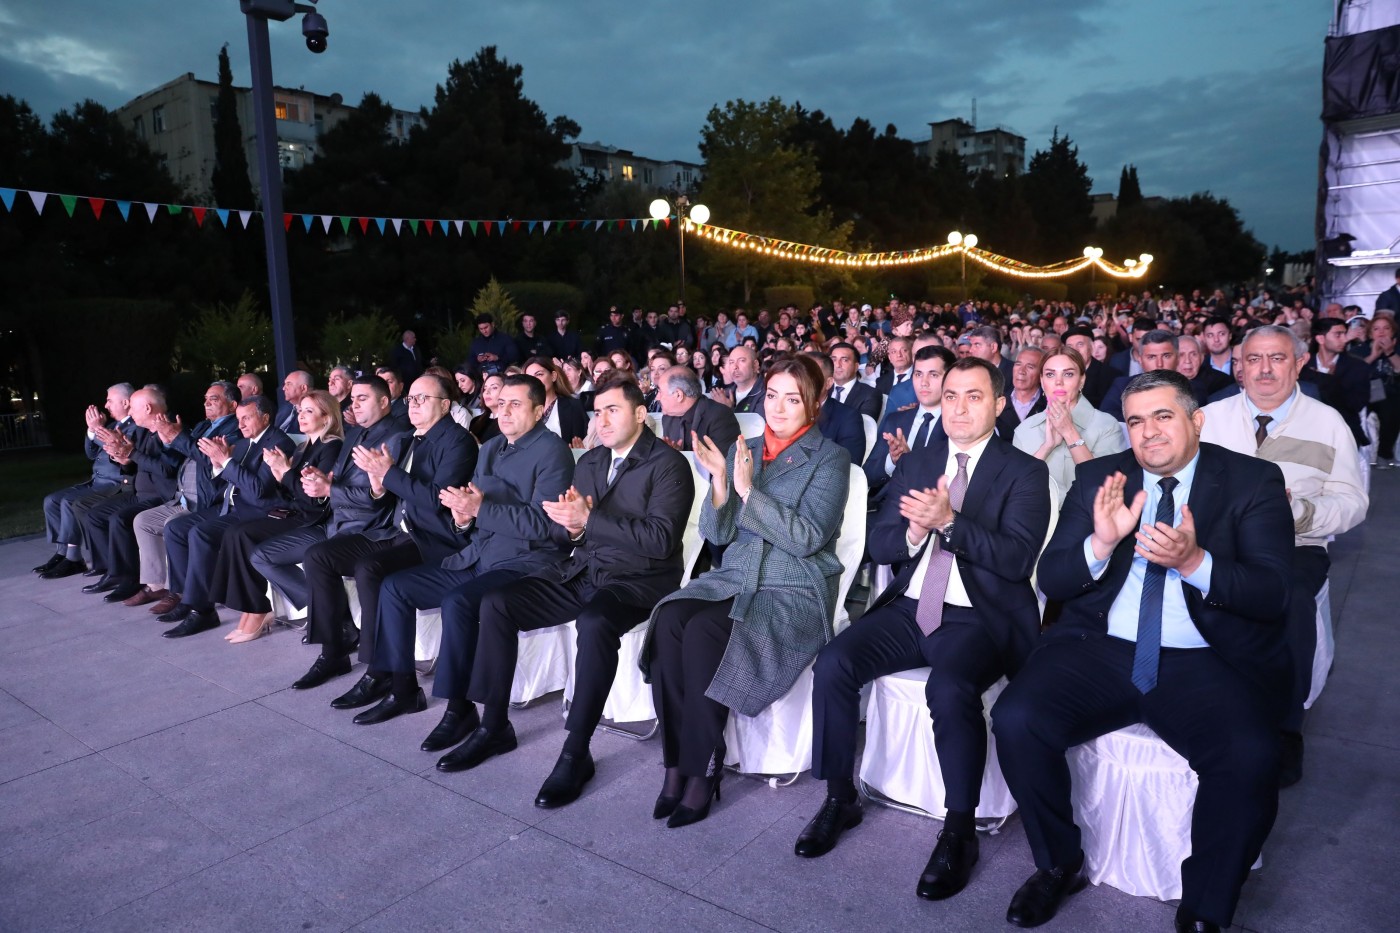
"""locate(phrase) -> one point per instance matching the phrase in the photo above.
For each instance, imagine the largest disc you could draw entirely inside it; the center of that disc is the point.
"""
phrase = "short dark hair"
(842, 345)
(231, 390)
(1164, 379)
(1159, 336)
(376, 384)
(1218, 320)
(625, 384)
(262, 403)
(939, 352)
(976, 362)
(380, 370)
(1322, 325)
(535, 387)
(822, 360)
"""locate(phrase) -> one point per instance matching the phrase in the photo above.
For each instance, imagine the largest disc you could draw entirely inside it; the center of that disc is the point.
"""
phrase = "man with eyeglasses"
(410, 526)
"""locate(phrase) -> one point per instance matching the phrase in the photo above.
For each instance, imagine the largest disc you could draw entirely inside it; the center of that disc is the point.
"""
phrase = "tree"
(224, 340)
(230, 184)
(1129, 191)
(1056, 187)
(757, 181)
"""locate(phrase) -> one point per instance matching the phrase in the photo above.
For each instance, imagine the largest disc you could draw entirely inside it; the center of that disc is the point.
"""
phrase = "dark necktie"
(837, 392)
(231, 490)
(921, 438)
(1261, 433)
(929, 614)
(1149, 634)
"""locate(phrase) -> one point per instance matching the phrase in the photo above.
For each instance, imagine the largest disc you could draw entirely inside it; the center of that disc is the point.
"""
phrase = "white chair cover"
(900, 761)
(1326, 644)
(871, 433)
(779, 739)
(751, 424)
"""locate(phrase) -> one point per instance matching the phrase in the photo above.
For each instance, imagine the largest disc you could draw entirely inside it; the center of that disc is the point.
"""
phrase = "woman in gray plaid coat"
(738, 636)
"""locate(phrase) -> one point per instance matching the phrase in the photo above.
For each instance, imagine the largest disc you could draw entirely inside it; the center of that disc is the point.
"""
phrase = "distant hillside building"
(609, 162)
(997, 149)
(177, 121)
(1105, 205)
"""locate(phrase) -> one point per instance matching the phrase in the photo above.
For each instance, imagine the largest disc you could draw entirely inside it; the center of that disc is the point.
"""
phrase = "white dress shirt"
(957, 592)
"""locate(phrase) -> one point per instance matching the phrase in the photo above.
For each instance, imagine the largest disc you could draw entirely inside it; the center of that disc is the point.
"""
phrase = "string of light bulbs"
(957, 245)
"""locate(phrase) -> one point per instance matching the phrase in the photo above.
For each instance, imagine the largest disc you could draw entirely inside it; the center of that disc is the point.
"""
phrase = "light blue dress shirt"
(1278, 414)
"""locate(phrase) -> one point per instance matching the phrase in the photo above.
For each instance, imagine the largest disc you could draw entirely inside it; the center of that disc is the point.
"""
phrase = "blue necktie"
(1149, 633)
(921, 438)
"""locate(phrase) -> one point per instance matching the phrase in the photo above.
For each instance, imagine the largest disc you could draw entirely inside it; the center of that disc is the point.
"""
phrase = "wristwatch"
(946, 532)
(1078, 443)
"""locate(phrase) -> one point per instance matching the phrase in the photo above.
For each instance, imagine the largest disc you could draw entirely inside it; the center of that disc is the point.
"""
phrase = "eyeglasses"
(423, 399)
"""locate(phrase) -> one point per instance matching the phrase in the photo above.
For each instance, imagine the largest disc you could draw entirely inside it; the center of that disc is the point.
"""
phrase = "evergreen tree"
(1056, 187)
(1129, 191)
(230, 184)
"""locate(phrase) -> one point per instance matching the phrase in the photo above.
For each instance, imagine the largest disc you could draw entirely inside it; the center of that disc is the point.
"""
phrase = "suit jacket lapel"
(635, 456)
(1122, 558)
(1206, 489)
(796, 454)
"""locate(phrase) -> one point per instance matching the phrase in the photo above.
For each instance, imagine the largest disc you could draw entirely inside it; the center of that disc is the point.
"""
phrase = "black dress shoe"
(194, 623)
(1186, 922)
(103, 585)
(94, 572)
(949, 866)
(1036, 901)
(479, 746)
(178, 613)
(1290, 768)
(50, 564)
(64, 568)
(453, 728)
(391, 706)
(122, 593)
(565, 783)
(835, 817)
(322, 670)
(370, 688)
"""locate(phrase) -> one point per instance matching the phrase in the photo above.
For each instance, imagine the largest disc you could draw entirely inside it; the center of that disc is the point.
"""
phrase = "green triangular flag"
(70, 201)
(473, 224)
(345, 225)
(413, 225)
(175, 209)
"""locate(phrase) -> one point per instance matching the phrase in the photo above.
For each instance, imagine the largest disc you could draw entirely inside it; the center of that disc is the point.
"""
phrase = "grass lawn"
(26, 476)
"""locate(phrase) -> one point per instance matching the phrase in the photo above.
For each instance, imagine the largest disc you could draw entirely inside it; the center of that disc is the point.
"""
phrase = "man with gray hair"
(686, 411)
(1156, 351)
(60, 520)
(1191, 363)
(1272, 420)
(294, 389)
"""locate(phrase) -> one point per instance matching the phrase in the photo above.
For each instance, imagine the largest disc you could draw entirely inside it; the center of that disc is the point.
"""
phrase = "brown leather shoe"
(146, 595)
(167, 602)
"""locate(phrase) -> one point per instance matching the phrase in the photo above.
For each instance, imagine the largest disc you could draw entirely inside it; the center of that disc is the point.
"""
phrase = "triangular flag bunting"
(379, 222)
(473, 224)
(597, 225)
(150, 210)
(174, 209)
(530, 227)
(458, 225)
(546, 225)
(573, 225)
(446, 226)
(413, 225)
(429, 225)
(69, 202)
(487, 225)
(364, 224)
(398, 224)
(198, 215)
(326, 223)
(7, 195)
(345, 225)
(125, 208)
(287, 222)
(244, 217)
(97, 204)
(620, 224)
(306, 221)
(222, 213)
(38, 197)
(634, 225)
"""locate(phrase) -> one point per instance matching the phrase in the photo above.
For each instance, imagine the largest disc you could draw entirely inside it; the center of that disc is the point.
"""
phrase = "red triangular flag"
(198, 215)
(286, 221)
(364, 224)
(429, 224)
(487, 224)
(97, 204)
(514, 225)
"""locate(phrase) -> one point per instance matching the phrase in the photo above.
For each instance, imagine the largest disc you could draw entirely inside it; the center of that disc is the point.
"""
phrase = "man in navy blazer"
(963, 521)
(410, 472)
(345, 488)
(625, 517)
(914, 428)
(504, 534)
(836, 421)
(847, 387)
(243, 489)
(1172, 563)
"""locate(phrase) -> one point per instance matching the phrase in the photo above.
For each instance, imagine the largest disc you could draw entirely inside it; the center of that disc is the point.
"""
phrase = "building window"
(158, 120)
(288, 110)
(646, 175)
(627, 172)
(138, 126)
(214, 107)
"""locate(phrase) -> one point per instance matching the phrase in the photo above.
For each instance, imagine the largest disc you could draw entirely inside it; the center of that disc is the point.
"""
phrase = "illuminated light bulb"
(954, 238)
(699, 213)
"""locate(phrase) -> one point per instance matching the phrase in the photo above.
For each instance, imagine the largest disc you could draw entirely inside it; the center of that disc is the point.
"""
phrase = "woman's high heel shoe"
(665, 806)
(684, 816)
(239, 638)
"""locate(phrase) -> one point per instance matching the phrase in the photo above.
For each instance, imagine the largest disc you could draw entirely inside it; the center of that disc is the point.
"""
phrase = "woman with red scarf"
(738, 636)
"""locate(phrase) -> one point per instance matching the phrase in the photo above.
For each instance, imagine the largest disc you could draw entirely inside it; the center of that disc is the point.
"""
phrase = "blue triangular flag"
(379, 222)
(530, 228)
(306, 221)
(125, 208)
(223, 215)
(8, 196)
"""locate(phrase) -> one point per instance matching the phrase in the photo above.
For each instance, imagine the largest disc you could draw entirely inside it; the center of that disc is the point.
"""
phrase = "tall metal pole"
(270, 181)
(682, 203)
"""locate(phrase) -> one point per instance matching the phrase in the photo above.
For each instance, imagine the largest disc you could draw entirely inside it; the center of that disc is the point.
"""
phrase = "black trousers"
(1075, 689)
(1310, 566)
(459, 593)
(369, 562)
(278, 558)
(535, 603)
(236, 583)
(192, 542)
(111, 539)
(687, 645)
(964, 662)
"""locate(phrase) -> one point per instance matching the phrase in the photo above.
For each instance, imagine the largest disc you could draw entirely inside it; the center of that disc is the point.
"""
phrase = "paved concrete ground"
(149, 784)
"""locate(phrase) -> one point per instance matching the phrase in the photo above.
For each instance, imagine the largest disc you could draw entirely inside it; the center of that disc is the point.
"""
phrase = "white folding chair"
(654, 422)
(750, 424)
(778, 741)
(872, 431)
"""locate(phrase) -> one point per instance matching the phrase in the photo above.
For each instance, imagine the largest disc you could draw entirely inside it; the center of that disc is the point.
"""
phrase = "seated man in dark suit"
(1191, 363)
(1024, 397)
(685, 411)
(61, 522)
(246, 490)
(410, 472)
(847, 387)
(504, 535)
(625, 515)
(963, 521)
(1343, 381)
(1172, 563)
(345, 488)
(837, 422)
(294, 389)
(902, 431)
(1156, 350)
(398, 405)
(1097, 376)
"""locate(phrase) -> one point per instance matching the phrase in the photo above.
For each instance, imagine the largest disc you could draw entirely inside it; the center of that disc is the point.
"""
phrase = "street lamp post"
(258, 13)
(661, 208)
(1092, 253)
(964, 242)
